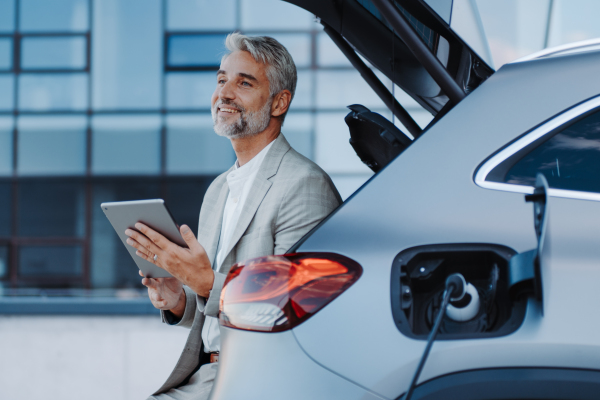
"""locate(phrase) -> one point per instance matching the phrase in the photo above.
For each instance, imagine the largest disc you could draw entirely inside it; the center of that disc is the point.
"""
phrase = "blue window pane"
(111, 264)
(7, 15)
(298, 44)
(51, 145)
(201, 15)
(53, 16)
(333, 152)
(304, 90)
(517, 28)
(328, 54)
(196, 50)
(298, 130)
(6, 146)
(50, 261)
(127, 54)
(274, 14)
(572, 21)
(53, 53)
(45, 92)
(3, 261)
(7, 87)
(194, 148)
(334, 90)
(126, 145)
(5, 208)
(187, 90)
(51, 207)
(6, 53)
(299, 47)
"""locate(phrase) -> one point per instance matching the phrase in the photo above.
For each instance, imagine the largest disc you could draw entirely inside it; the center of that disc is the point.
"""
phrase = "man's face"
(241, 103)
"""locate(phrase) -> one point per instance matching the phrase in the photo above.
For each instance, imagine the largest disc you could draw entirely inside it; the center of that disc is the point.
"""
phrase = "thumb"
(188, 236)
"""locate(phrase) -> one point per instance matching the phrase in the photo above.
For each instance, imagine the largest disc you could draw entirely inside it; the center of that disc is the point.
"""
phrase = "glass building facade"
(108, 100)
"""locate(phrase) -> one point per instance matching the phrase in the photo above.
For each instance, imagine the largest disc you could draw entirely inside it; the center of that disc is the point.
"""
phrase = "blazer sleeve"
(211, 308)
(188, 316)
(305, 204)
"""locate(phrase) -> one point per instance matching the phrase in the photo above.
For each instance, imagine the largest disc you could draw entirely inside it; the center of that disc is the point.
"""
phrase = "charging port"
(486, 310)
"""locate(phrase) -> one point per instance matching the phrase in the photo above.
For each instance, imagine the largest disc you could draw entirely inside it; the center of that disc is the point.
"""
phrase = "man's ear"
(281, 103)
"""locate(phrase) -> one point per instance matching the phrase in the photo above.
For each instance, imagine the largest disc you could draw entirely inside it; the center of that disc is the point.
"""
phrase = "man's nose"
(227, 91)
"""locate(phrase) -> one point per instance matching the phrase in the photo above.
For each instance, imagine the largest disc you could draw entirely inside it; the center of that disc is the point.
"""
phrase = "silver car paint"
(427, 196)
(415, 202)
(272, 366)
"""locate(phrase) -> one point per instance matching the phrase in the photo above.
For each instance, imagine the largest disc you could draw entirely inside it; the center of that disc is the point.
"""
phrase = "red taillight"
(276, 293)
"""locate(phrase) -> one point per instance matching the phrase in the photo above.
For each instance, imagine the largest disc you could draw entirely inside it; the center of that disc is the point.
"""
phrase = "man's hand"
(166, 294)
(190, 266)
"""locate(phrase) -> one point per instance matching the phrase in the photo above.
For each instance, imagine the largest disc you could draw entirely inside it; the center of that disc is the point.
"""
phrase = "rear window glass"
(569, 159)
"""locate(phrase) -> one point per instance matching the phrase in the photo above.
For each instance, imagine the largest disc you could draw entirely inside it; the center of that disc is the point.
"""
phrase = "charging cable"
(455, 290)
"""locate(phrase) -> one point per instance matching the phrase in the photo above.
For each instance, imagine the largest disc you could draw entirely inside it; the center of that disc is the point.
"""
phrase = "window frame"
(530, 140)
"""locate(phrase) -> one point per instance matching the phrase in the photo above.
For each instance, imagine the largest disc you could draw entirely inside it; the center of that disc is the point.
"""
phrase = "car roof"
(563, 50)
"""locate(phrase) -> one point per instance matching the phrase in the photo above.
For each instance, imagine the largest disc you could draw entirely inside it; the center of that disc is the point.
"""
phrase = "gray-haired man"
(268, 200)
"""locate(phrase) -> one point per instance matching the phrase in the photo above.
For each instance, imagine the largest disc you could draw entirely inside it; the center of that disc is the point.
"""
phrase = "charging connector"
(465, 309)
(455, 289)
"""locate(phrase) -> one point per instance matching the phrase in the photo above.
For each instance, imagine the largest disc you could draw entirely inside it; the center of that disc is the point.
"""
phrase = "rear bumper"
(255, 365)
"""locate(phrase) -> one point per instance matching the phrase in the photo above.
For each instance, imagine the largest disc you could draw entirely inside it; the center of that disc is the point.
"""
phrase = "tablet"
(153, 213)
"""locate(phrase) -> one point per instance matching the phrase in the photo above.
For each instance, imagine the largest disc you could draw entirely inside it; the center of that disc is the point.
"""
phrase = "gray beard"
(249, 124)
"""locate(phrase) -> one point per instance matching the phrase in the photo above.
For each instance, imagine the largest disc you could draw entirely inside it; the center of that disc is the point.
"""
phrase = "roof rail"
(569, 48)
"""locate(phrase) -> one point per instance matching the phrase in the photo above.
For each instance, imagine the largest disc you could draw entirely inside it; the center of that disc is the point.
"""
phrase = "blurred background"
(108, 100)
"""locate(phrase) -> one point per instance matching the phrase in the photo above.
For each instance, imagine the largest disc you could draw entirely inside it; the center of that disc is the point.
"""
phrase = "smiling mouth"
(229, 110)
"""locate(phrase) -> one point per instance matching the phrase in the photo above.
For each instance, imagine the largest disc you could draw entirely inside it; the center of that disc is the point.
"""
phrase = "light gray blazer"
(289, 196)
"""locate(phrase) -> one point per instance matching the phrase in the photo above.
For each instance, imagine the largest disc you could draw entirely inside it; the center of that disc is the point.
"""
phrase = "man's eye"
(246, 83)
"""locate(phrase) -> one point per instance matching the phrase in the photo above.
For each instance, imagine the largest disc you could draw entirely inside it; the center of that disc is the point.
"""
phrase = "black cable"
(455, 288)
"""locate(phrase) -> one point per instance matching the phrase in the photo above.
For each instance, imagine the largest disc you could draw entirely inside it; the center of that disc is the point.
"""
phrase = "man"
(266, 202)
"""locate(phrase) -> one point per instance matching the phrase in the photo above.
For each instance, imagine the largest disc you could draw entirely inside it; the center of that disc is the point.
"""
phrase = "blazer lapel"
(259, 189)
(209, 230)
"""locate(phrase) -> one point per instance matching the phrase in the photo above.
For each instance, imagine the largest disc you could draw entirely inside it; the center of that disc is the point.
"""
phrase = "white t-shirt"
(240, 182)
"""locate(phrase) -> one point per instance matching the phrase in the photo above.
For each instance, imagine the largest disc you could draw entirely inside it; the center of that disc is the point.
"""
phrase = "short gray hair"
(281, 69)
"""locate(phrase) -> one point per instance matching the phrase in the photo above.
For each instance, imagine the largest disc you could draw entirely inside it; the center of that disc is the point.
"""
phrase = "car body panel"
(385, 360)
(428, 196)
(291, 373)
(439, 203)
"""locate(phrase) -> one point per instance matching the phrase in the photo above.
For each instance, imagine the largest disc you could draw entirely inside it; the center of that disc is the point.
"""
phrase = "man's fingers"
(143, 251)
(158, 301)
(142, 243)
(158, 239)
(150, 283)
(188, 236)
(145, 256)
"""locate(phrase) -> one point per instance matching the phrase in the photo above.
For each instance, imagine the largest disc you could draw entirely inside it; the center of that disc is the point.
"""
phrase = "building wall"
(50, 357)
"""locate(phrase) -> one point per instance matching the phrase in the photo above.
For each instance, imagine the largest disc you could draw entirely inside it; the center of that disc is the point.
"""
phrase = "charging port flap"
(375, 139)
(526, 267)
